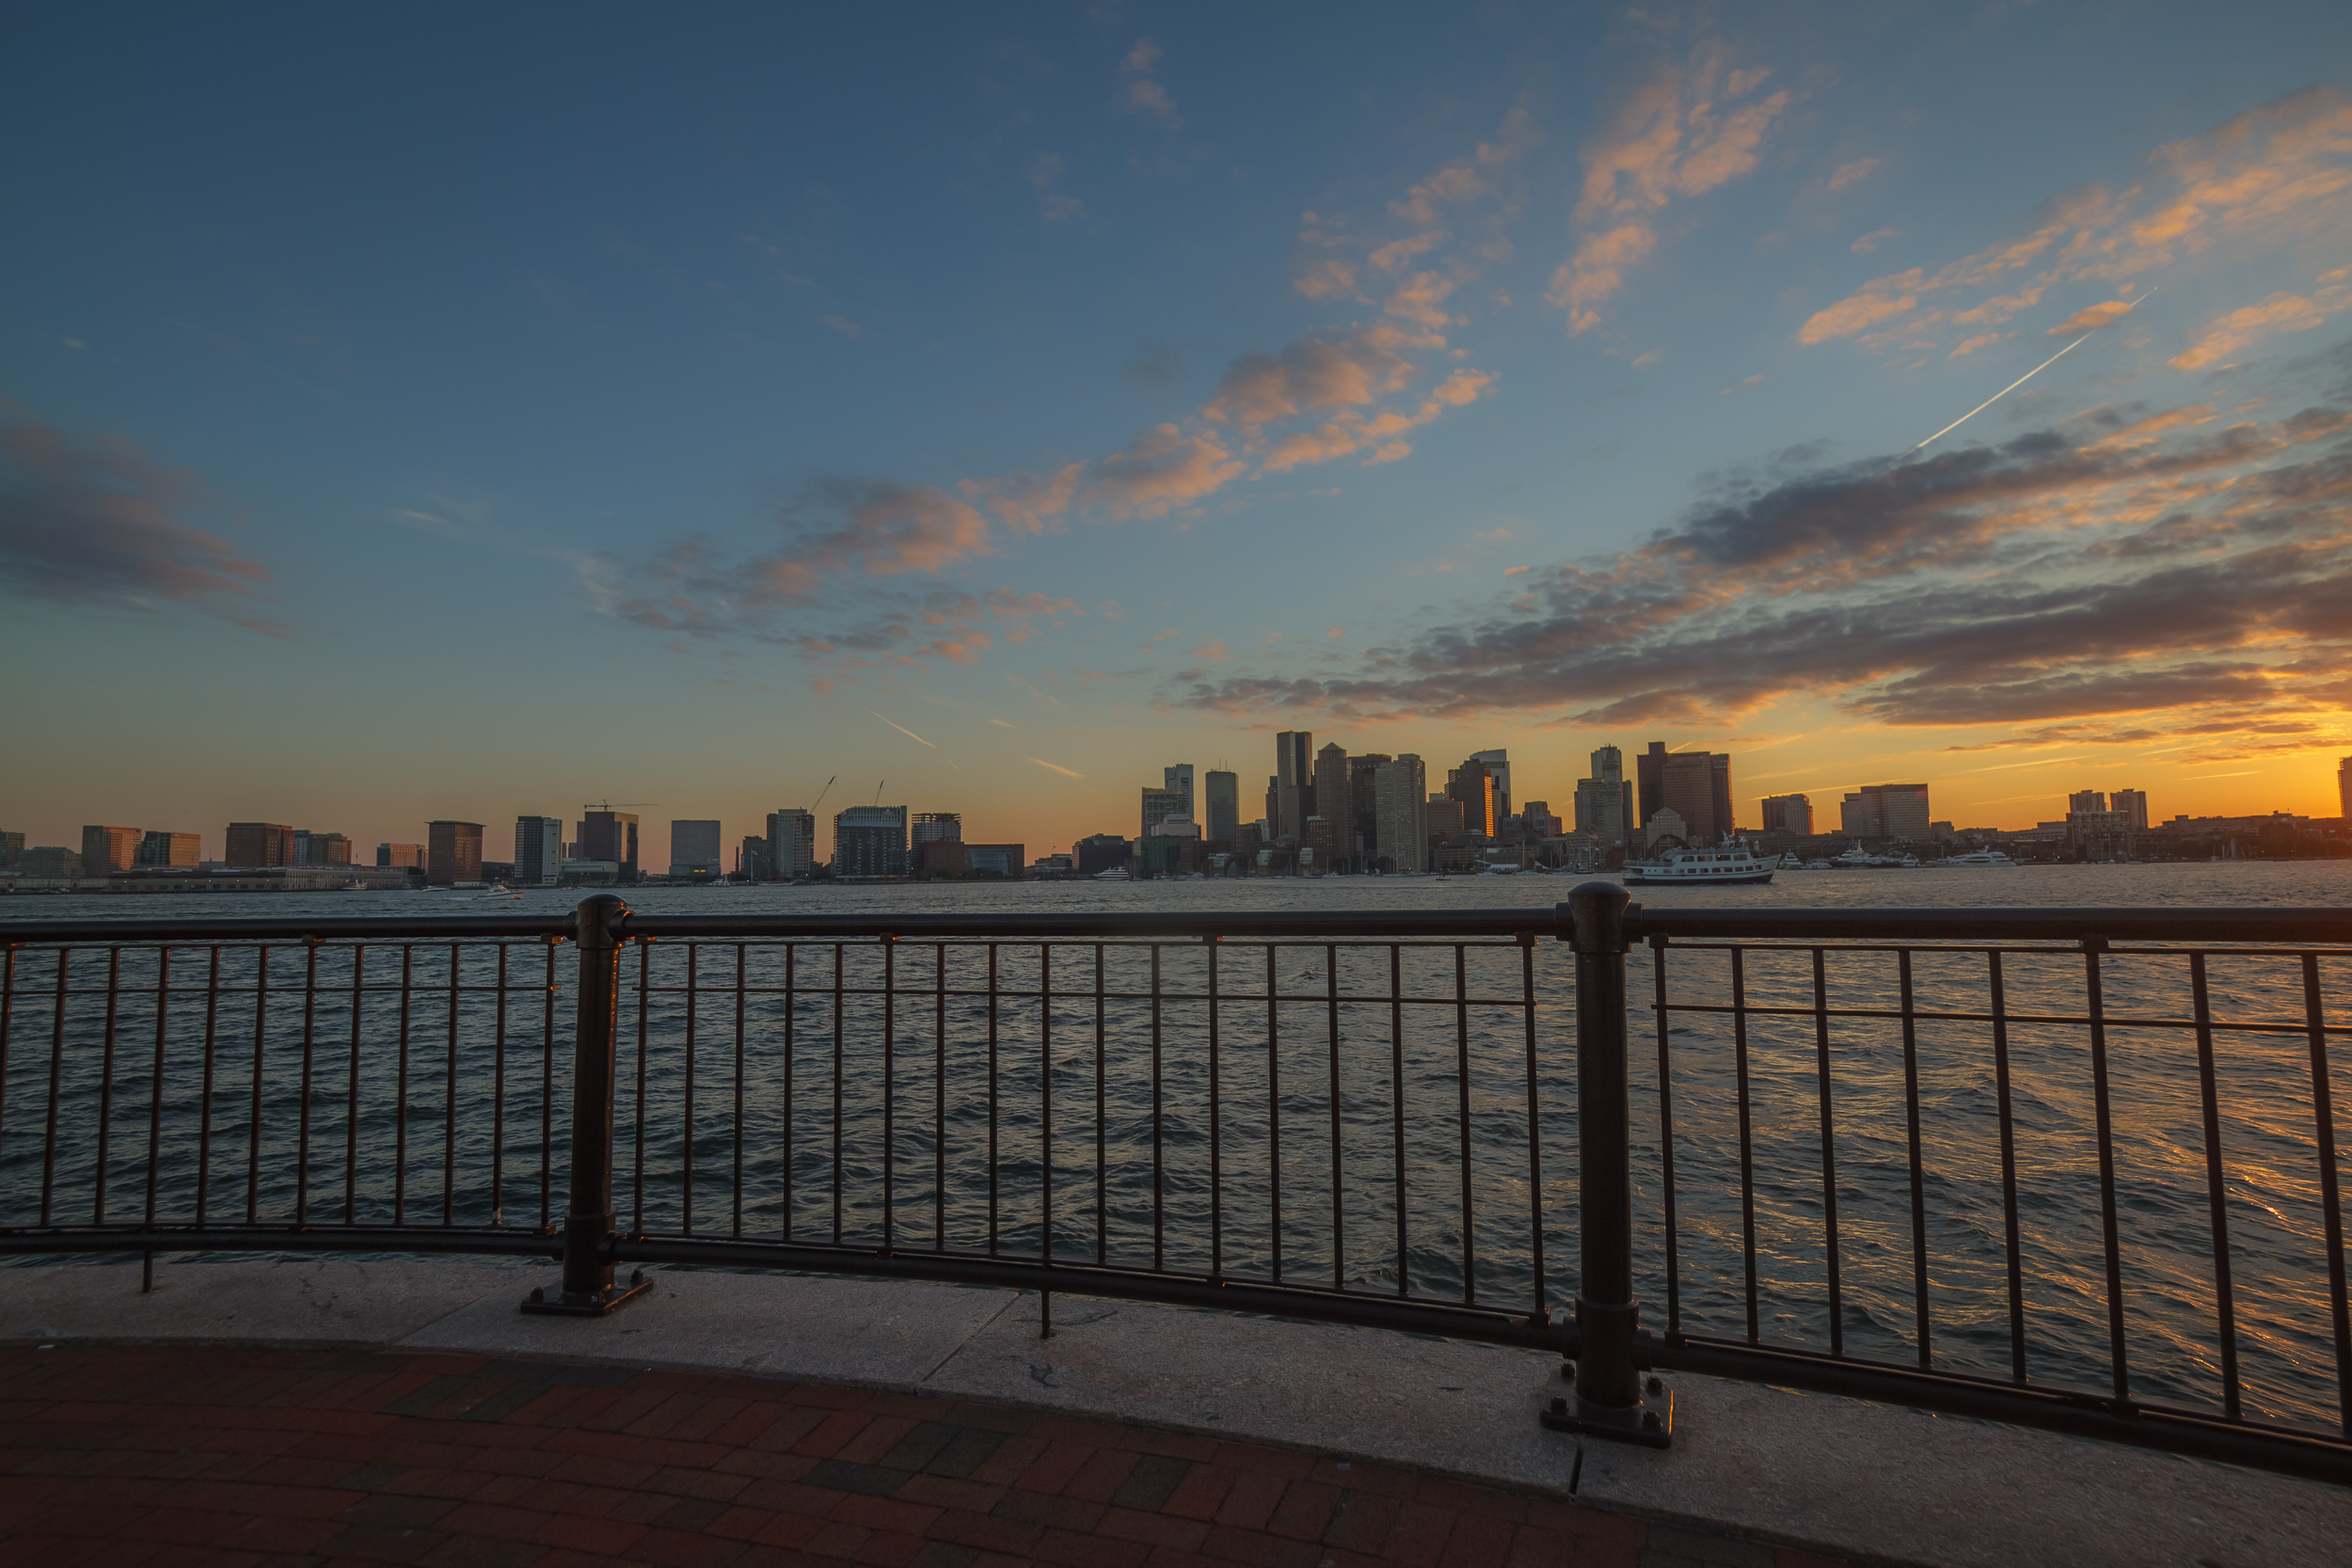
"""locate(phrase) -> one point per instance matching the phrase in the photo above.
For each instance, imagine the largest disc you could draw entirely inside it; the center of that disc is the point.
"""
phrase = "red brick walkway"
(122, 1456)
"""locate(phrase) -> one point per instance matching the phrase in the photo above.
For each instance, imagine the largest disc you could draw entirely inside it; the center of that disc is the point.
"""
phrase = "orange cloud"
(1852, 174)
(2281, 312)
(2091, 317)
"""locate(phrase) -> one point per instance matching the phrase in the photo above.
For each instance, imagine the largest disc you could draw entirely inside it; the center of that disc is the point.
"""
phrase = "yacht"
(1978, 856)
(1725, 863)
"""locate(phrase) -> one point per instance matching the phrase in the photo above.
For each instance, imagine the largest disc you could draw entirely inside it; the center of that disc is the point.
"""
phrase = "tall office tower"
(105, 849)
(399, 854)
(453, 853)
(1178, 778)
(163, 849)
(538, 851)
(1474, 787)
(260, 843)
(1400, 807)
(2087, 799)
(1498, 766)
(1788, 814)
(320, 849)
(2133, 803)
(1897, 811)
(1719, 763)
(1335, 802)
(1859, 815)
(1224, 806)
(301, 847)
(1649, 785)
(1604, 803)
(1273, 818)
(694, 848)
(1363, 803)
(2344, 788)
(1158, 806)
(751, 857)
(12, 846)
(870, 840)
(1443, 814)
(1540, 823)
(1295, 764)
(791, 843)
(1693, 791)
(936, 827)
(609, 835)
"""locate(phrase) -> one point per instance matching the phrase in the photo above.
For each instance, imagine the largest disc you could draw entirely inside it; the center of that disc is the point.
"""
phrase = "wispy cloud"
(1056, 206)
(1057, 767)
(2225, 335)
(94, 520)
(904, 731)
(1141, 95)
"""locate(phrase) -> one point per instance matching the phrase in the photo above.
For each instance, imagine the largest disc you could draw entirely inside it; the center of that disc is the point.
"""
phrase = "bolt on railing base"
(1649, 1423)
(590, 1304)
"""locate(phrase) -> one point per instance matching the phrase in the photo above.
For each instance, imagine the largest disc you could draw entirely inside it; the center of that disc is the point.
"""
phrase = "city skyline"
(619, 408)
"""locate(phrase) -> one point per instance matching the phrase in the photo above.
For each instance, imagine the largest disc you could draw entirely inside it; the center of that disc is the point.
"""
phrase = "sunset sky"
(412, 411)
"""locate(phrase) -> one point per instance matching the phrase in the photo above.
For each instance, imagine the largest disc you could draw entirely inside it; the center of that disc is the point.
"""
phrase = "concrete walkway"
(1756, 1476)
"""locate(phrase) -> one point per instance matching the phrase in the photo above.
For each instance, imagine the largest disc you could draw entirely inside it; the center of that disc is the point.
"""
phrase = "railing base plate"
(594, 1305)
(1650, 1423)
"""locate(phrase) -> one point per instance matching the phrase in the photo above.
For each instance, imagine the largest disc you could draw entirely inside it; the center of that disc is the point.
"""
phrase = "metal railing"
(1931, 1157)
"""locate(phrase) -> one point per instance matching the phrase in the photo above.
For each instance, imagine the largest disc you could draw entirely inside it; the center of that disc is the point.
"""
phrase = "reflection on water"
(1369, 1129)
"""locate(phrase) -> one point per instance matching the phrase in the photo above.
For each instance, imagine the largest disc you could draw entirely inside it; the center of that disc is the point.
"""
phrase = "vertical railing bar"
(1461, 1079)
(2216, 1193)
(1829, 1153)
(1396, 1105)
(938, 1097)
(2331, 1203)
(56, 1084)
(2012, 1241)
(1045, 1091)
(351, 1094)
(1920, 1324)
(1159, 1257)
(991, 1100)
(400, 1095)
(735, 1226)
(449, 1095)
(8, 1029)
(498, 1096)
(107, 1085)
(155, 1082)
(1666, 1135)
(840, 982)
(1216, 1121)
(204, 1107)
(302, 1118)
(1747, 1129)
(546, 1087)
(1102, 1179)
(1539, 1310)
(890, 1087)
(686, 1098)
(637, 1118)
(1273, 1130)
(2094, 996)
(1331, 1039)
(791, 1017)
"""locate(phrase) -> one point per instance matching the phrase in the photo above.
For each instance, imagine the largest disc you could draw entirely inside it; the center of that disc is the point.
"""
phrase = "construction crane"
(878, 789)
(821, 793)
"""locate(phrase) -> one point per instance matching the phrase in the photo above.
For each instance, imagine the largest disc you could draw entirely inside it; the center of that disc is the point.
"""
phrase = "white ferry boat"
(1722, 864)
(1977, 856)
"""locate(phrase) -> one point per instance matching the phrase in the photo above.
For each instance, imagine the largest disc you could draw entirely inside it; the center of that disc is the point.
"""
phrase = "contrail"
(2022, 380)
(903, 730)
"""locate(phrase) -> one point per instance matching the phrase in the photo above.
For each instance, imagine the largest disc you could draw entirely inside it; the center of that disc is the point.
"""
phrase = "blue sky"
(418, 411)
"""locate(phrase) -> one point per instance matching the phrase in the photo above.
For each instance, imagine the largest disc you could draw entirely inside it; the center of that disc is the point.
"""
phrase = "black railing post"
(1610, 1397)
(588, 1289)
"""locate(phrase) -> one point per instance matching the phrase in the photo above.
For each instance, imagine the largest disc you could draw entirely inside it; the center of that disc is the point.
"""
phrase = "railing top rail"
(2331, 925)
(1997, 925)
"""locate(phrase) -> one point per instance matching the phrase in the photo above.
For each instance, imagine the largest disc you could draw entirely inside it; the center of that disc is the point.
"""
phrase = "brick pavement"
(250, 1456)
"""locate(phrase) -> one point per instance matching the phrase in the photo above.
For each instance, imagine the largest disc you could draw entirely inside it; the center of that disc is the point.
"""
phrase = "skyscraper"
(606, 834)
(2344, 788)
(1178, 777)
(1295, 782)
(935, 827)
(1893, 810)
(1688, 782)
(1363, 803)
(791, 843)
(397, 854)
(1158, 806)
(453, 853)
(2087, 799)
(538, 851)
(870, 840)
(1400, 790)
(1335, 803)
(1604, 803)
(1788, 814)
(1473, 785)
(694, 848)
(2132, 803)
(165, 848)
(1649, 785)
(260, 843)
(1224, 806)
(1498, 766)
(105, 849)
